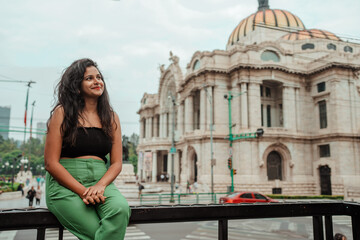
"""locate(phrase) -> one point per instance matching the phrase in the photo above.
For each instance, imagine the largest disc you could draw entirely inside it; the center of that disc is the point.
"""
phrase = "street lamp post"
(13, 169)
(23, 161)
(211, 143)
(173, 149)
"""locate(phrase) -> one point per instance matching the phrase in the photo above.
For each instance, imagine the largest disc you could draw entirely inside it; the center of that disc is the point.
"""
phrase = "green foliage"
(7, 146)
(279, 196)
(34, 152)
(6, 187)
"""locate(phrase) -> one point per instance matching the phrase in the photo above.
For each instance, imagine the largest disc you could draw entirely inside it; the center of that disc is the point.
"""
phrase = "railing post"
(355, 221)
(223, 229)
(329, 228)
(40, 234)
(318, 228)
(61, 233)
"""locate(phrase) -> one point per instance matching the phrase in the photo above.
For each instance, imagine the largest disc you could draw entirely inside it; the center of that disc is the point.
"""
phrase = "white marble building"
(300, 85)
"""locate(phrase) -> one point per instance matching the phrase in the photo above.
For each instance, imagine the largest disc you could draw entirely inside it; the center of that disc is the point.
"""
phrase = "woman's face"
(92, 85)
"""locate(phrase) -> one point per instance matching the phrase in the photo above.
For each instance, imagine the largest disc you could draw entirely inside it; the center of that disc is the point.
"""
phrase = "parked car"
(245, 197)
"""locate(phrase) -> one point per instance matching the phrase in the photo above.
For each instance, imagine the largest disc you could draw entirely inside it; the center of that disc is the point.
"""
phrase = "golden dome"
(309, 34)
(272, 18)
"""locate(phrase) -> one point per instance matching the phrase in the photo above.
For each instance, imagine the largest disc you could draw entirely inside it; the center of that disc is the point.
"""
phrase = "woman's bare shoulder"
(57, 116)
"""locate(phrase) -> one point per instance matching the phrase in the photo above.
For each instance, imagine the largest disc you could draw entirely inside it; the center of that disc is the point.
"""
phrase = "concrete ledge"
(10, 195)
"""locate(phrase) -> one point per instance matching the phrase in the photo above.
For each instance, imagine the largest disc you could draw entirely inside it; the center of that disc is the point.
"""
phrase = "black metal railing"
(40, 219)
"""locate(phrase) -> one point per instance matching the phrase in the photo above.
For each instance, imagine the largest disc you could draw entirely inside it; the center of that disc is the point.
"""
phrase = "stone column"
(180, 117)
(141, 129)
(208, 107)
(154, 166)
(254, 105)
(146, 128)
(221, 111)
(162, 125)
(151, 133)
(298, 111)
(244, 106)
(235, 108)
(289, 108)
(189, 114)
(203, 101)
(155, 126)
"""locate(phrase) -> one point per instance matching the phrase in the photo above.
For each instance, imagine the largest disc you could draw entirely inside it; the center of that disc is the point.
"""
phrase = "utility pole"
(173, 149)
(25, 116)
(211, 143)
(259, 132)
(31, 120)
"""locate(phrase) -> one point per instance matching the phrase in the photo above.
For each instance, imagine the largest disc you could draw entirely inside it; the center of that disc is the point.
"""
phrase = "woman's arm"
(115, 162)
(52, 153)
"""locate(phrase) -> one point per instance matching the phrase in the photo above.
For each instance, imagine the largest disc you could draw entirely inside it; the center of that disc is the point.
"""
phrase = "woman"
(82, 130)
(38, 196)
(30, 195)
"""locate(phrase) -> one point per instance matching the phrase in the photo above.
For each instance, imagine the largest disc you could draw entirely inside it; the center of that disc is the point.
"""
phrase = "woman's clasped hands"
(94, 194)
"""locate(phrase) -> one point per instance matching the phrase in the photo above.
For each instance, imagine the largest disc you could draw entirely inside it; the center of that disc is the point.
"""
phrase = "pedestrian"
(339, 236)
(38, 195)
(30, 195)
(21, 188)
(141, 187)
(188, 187)
(81, 131)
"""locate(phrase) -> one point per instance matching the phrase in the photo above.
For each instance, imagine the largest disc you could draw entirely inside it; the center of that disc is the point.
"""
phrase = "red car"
(246, 197)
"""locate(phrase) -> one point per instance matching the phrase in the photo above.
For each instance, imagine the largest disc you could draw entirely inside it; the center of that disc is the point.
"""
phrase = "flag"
(26, 105)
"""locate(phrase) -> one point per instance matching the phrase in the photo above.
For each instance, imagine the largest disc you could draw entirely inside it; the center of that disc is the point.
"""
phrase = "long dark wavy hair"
(68, 92)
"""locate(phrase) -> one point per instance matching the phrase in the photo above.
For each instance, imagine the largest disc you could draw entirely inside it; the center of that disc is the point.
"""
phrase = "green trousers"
(106, 221)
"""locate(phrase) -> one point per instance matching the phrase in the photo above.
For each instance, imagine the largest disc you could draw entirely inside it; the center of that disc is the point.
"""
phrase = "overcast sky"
(128, 39)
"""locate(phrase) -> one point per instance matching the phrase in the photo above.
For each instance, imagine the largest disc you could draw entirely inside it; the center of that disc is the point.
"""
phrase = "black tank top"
(90, 141)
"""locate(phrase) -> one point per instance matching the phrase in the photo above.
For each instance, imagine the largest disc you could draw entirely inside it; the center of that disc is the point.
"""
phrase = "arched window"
(268, 55)
(274, 166)
(331, 46)
(196, 65)
(307, 46)
(348, 49)
(144, 101)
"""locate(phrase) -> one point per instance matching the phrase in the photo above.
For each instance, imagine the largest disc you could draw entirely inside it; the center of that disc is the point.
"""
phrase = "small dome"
(309, 34)
(273, 18)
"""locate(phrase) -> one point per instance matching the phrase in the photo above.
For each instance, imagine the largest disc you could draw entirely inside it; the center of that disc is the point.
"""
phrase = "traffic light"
(234, 171)
(259, 132)
(229, 163)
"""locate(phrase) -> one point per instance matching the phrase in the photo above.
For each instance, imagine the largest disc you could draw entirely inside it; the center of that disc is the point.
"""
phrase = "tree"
(9, 149)
(129, 149)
